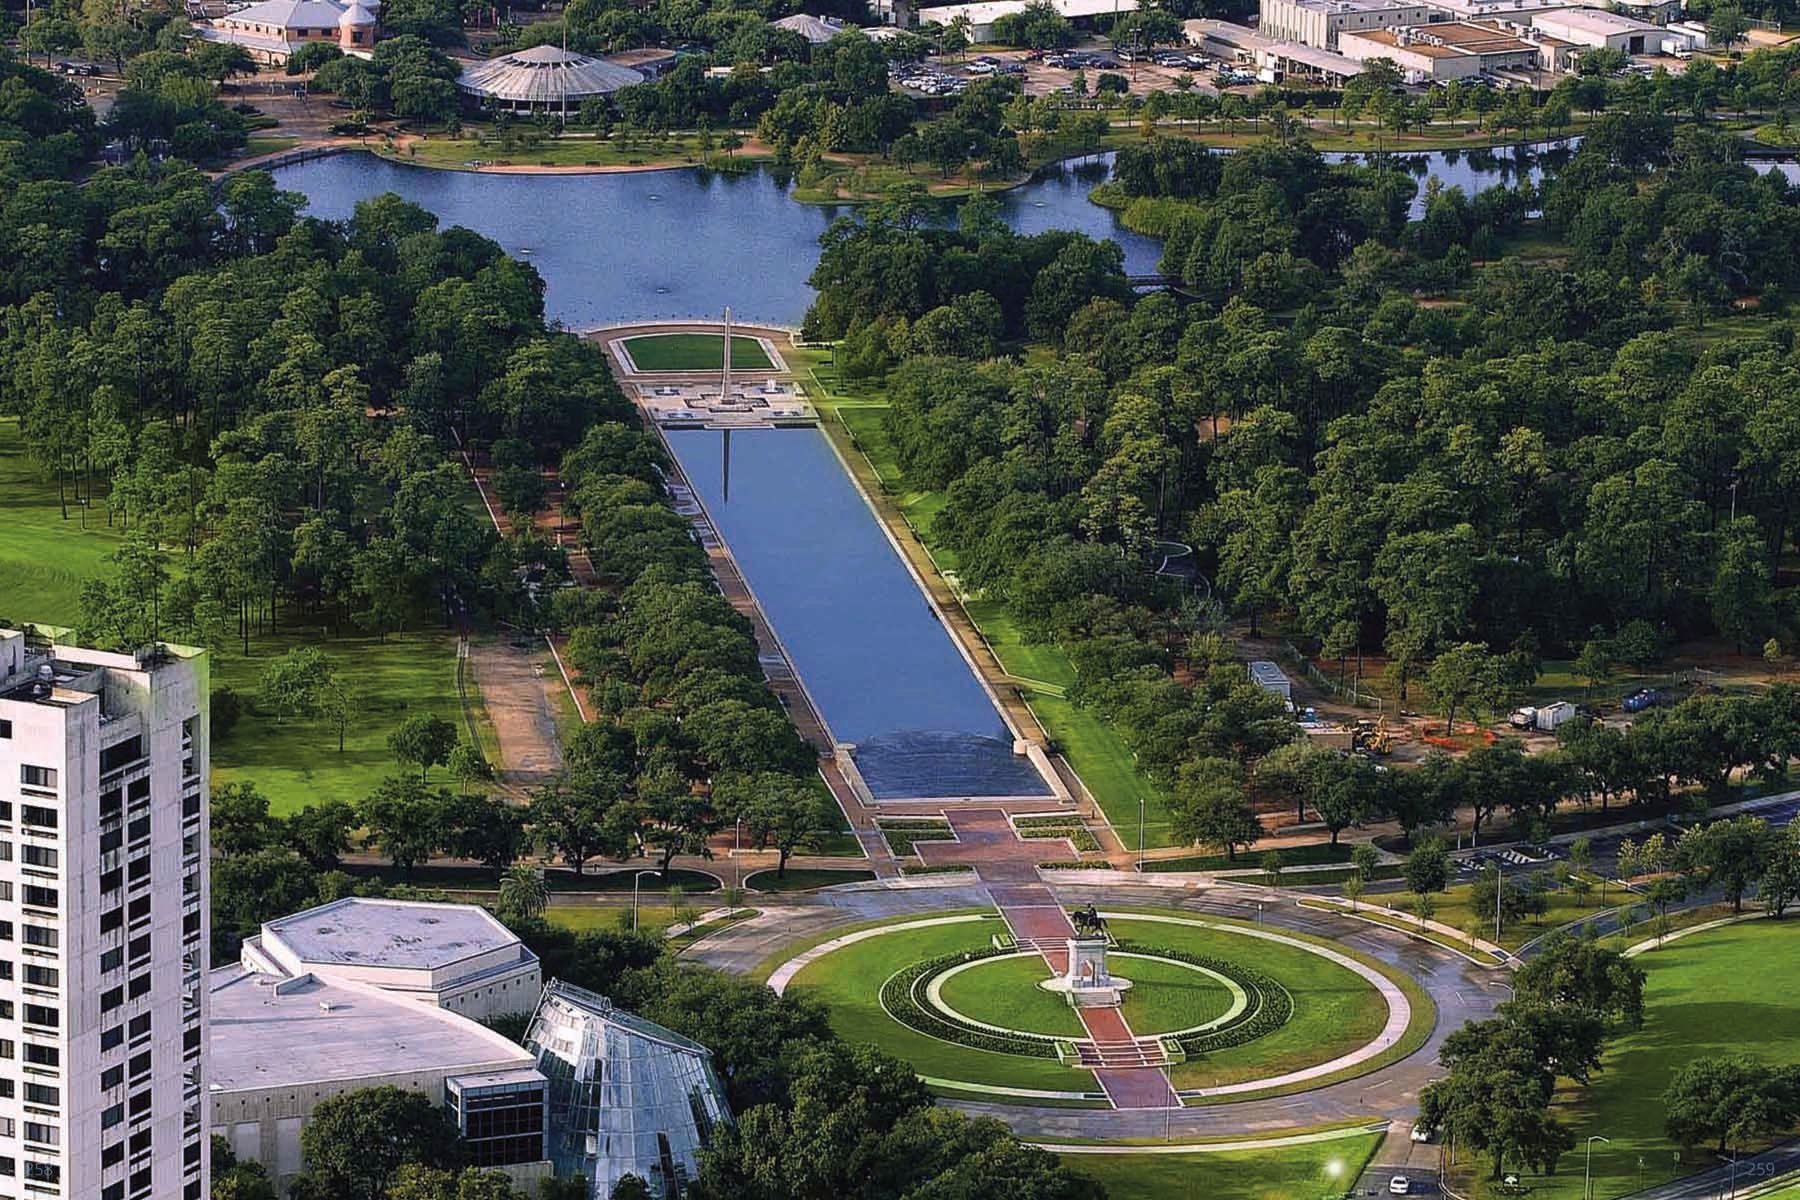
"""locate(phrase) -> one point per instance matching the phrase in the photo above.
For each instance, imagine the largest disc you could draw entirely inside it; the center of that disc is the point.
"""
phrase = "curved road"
(1458, 988)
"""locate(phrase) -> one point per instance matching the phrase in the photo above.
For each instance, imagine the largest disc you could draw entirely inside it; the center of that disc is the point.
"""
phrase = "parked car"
(1399, 1185)
(1422, 1133)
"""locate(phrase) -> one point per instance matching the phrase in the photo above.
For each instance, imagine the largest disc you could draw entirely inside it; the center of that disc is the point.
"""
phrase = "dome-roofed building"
(817, 30)
(542, 78)
(274, 29)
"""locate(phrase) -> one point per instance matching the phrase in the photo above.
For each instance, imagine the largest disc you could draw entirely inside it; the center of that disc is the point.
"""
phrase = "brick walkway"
(1127, 1067)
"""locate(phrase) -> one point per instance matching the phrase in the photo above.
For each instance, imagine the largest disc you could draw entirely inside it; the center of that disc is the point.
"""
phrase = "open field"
(296, 762)
(44, 559)
(1283, 1173)
(695, 352)
(1734, 990)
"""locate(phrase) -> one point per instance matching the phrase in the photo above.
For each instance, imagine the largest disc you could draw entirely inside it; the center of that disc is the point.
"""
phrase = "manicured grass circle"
(1005, 992)
(1166, 996)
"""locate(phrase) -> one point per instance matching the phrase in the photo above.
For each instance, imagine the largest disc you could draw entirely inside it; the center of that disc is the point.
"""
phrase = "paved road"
(1719, 1182)
(1457, 986)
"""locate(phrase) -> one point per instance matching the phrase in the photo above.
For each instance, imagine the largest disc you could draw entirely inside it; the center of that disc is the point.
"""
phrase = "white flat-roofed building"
(1596, 28)
(454, 956)
(282, 1044)
(104, 901)
(1458, 50)
(1318, 23)
(982, 15)
(1226, 39)
(1294, 60)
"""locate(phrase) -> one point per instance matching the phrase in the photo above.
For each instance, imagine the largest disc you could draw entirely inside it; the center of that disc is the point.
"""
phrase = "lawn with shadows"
(696, 352)
(44, 559)
(1282, 1173)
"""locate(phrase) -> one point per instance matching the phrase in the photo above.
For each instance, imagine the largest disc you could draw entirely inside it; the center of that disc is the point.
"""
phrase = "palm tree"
(523, 893)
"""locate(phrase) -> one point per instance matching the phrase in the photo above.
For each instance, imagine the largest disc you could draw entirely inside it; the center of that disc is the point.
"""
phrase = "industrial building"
(104, 902)
(1458, 50)
(1596, 28)
(1318, 23)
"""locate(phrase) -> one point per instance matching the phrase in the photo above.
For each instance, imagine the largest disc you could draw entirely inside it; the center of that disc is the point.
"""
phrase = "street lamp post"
(1499, 897)
(1140, 860)
(1587, 1172)
(737, 865)
(635, 880)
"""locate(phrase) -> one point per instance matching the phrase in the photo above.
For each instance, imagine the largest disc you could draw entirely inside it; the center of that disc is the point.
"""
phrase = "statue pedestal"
(1088, 983)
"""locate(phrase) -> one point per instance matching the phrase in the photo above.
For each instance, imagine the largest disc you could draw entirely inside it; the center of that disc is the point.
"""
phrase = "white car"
(1399, 1185)
(1421, 1133)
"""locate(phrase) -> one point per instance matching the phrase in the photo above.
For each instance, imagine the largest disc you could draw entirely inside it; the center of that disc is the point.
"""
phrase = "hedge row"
(899, 996)
(1269, 1007)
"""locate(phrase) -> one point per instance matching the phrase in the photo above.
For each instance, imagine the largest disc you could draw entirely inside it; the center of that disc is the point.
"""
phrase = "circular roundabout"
(1235, 1010)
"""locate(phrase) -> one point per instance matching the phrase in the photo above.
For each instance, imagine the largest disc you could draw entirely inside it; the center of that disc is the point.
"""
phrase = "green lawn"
(587, 918)
(695, 352)
(800, 879)
(296, 762)
(621, 881)
(848, 981)
(44, 559)
(1005, 992)
(1307, 1172)
(1107, 767)
(1335, 1011)
(1734, 990)
(1166, 996)
(569, 151)
(1453, 908)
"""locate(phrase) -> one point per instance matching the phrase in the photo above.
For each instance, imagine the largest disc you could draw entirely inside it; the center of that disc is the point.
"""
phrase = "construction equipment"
(1373, 737)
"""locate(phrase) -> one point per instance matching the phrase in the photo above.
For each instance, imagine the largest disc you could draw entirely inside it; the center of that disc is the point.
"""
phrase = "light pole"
(634, 896)
(1140, 860)
(1587, 1172)
(737, 865)
(1499, 897)
(1511, 993)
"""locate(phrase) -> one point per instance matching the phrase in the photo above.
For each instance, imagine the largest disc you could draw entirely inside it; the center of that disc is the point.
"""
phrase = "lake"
(883, 670)
(682, 243)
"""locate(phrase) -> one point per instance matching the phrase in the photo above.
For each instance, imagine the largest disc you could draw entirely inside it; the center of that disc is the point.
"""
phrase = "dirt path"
(521, 706)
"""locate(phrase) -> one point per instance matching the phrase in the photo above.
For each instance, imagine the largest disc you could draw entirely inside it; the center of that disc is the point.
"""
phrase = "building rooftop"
(988, 11)
(357, 931)
(1229, 33)
(1597, 20)
(1355, 6)
(1387, 37)
(1472, 38)
(1318, 60)
(268, 1032)
(545, 75)
(817, 30)
(289, 14)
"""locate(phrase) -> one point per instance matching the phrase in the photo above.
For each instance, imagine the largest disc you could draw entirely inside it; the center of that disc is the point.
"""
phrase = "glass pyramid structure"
(626, 1096)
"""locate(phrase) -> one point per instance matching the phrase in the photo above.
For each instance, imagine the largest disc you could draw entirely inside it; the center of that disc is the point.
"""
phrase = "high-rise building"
(103, 921)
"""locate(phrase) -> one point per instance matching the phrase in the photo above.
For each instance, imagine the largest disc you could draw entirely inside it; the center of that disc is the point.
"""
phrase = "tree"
(1572, 971)
(1465, 676)
(1353, 890)
(469, 766)
(1365, 860)
(589, 813)
(356, 1143)
(1781, 873)
(241, 823)
(1726, 27)
(320, 833)
(783, 811)
(293, 684)
(487, 830)
(1208, 806)
(1427, 868)
(1729, 1100)
(406, 819)
(424, 740)
(523, 894)
(1727, 854)
(1272, 863)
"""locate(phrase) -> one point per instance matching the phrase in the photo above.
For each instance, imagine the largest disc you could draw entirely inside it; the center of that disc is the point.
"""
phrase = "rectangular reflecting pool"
(879, 664)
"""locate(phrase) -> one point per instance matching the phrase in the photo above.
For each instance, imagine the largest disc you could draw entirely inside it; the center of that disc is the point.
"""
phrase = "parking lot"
(1053, 72)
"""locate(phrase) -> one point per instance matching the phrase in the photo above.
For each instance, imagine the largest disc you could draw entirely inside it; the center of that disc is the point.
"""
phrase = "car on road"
(1422, 1133)
(1399, 1185)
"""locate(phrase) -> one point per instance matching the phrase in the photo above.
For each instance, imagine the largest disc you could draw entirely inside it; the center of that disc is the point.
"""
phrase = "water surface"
(884, 672)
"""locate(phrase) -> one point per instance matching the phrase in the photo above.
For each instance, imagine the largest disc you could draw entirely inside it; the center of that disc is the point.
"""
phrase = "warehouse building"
(1596, 28)
(1458, 50)
(1318, 23)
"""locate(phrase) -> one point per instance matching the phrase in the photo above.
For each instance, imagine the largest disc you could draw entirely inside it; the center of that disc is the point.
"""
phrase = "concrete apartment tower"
(103, 921)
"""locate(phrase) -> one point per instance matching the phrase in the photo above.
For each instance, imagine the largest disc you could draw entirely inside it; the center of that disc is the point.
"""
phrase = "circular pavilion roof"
(545, 75)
